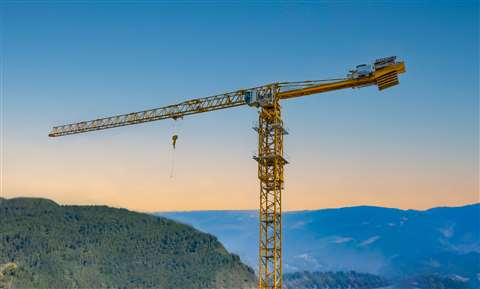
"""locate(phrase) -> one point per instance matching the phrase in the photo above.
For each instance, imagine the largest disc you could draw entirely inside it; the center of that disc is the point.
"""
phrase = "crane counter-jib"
(384, 78)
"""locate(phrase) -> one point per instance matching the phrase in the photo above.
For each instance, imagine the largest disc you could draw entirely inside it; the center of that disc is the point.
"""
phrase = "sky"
(413, 146)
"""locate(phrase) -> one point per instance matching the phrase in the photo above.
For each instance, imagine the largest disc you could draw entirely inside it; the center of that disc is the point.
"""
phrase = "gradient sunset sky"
(412, 146)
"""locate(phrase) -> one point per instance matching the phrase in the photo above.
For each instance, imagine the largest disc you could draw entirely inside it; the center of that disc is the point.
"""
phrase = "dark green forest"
(45, 245)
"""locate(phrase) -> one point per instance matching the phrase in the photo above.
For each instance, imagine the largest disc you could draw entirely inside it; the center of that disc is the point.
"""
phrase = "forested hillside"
(44, 245)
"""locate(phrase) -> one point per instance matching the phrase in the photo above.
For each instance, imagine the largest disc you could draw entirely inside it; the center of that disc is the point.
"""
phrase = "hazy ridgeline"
(392, 243)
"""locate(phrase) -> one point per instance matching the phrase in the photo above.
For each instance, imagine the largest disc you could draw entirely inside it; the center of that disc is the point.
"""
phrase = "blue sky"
(70, 62)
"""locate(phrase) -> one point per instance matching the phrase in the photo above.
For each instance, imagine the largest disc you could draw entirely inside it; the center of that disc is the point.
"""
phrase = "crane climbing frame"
(270, 156)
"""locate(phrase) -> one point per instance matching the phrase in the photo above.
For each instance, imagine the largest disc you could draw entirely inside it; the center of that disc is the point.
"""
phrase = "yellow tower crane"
(383, 73)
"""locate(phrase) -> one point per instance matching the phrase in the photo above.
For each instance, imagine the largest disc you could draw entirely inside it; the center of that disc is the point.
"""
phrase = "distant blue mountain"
(389, 242)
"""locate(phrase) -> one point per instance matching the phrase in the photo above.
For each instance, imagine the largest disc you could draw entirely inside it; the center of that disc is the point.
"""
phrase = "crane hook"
(174, 140)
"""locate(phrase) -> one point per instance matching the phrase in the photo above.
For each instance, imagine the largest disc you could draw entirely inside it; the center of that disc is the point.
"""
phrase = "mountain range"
(393, 243)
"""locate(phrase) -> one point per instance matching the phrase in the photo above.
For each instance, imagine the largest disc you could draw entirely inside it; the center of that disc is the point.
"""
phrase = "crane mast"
(270, 157)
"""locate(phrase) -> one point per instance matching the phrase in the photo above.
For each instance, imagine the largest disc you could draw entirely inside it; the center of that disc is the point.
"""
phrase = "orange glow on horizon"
(138, 182)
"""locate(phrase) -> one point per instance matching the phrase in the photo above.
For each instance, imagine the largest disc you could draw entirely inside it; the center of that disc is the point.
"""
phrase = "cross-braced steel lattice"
(270, 173)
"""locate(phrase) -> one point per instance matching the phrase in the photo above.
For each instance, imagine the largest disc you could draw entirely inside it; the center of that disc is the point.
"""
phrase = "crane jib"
(384, 76)
(172, 111)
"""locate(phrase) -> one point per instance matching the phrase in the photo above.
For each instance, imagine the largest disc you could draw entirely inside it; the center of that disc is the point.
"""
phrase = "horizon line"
(247, 210)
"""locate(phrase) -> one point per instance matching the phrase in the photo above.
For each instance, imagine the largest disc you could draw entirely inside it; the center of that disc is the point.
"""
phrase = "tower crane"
(270, 157)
